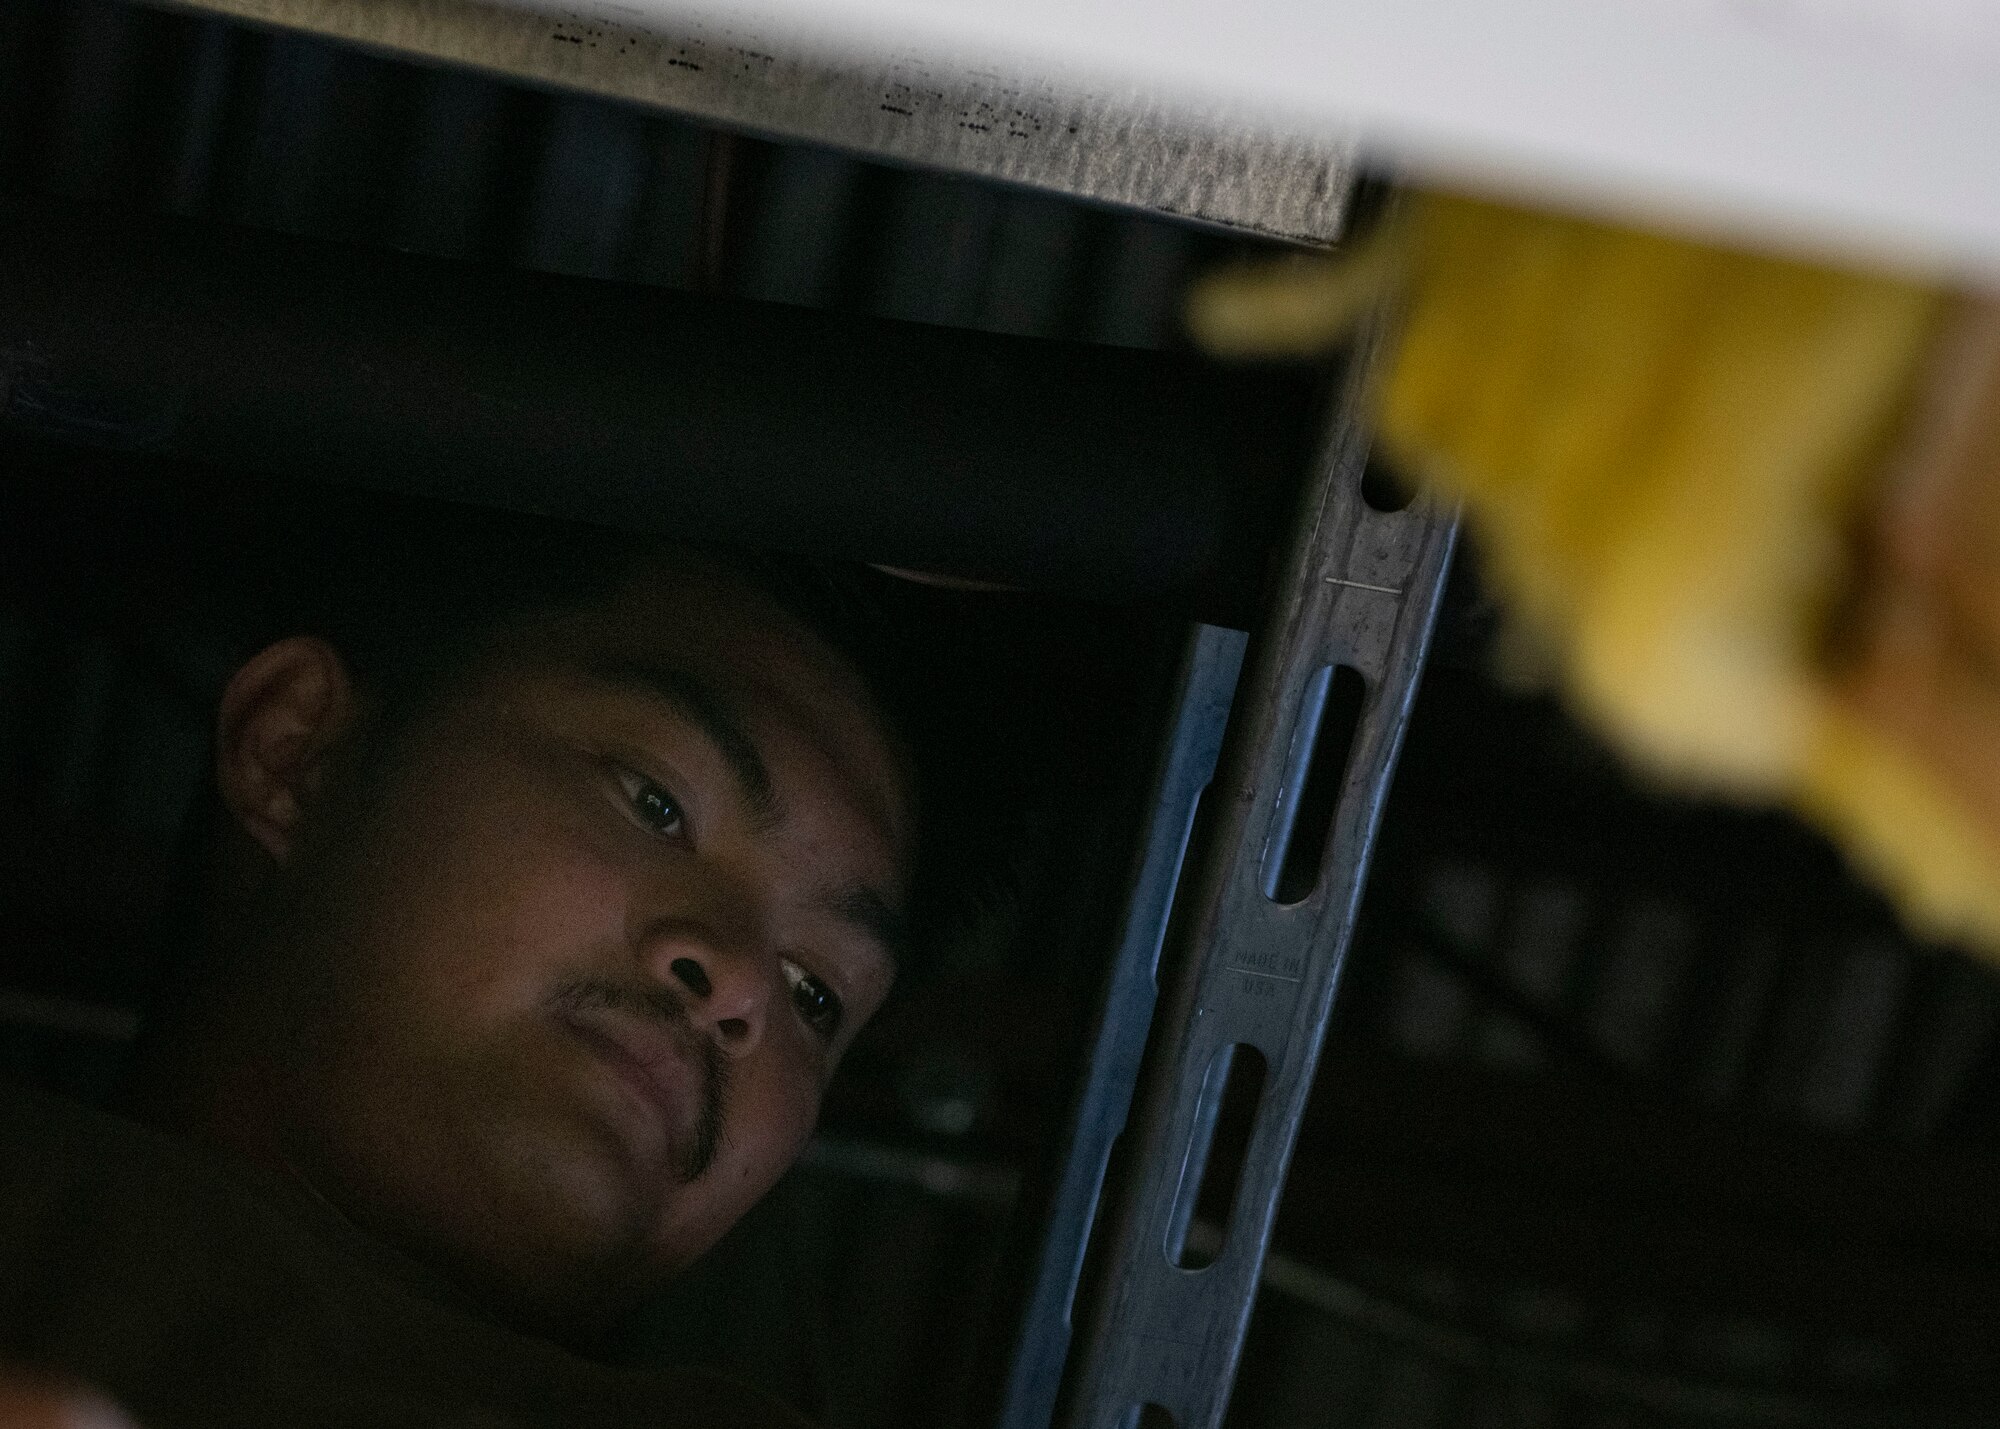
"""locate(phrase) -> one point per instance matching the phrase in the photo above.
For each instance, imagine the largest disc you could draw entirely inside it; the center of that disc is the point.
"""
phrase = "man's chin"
(559, 1240)
(559, 1213)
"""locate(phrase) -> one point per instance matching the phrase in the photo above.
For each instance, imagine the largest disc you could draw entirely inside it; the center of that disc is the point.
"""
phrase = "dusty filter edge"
(1126, 150)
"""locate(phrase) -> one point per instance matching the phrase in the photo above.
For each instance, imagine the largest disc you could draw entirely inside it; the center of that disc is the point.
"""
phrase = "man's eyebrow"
(709, 712)
(875, 915)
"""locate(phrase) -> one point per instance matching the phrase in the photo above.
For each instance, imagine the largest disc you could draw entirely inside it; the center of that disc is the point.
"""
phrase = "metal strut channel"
(1204, 690)
(1255, 978)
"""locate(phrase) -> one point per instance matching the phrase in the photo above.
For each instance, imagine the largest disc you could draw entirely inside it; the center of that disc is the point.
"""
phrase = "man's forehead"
(763, 690)
(694, 613)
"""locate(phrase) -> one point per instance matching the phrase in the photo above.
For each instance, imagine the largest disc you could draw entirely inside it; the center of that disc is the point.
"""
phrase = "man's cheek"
(524, 915)
(776, 1125)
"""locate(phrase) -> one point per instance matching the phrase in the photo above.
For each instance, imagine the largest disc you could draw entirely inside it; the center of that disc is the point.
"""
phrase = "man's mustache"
(658, 1004)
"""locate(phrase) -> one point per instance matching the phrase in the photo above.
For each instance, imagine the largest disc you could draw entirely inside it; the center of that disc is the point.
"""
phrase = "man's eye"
(817, 1004)
(655, 807)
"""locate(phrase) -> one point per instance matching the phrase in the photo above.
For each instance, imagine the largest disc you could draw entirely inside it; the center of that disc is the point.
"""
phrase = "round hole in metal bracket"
(1383, 488)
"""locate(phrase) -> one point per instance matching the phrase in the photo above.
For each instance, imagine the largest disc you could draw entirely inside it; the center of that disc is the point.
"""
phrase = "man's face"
(565, 964)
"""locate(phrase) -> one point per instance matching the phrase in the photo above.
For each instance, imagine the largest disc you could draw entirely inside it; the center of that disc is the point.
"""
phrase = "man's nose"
(725, 989)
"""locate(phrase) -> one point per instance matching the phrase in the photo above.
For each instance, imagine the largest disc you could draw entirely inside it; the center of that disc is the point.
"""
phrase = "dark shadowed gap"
(1225, 1118)
(1329, 713)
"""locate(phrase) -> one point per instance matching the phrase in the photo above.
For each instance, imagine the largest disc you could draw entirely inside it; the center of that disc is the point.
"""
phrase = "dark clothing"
(207, 1297)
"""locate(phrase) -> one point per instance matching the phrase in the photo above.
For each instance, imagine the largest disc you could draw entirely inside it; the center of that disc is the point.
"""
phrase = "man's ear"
(280, 718)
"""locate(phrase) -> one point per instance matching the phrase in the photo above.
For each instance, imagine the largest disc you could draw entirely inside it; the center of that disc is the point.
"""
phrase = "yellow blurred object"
(1689, 470)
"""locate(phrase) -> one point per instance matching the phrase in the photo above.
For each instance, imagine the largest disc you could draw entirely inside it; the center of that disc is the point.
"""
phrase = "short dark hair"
(410, 591)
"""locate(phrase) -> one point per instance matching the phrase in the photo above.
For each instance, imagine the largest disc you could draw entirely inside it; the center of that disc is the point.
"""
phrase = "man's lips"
(651, 1060)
